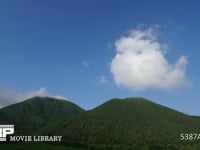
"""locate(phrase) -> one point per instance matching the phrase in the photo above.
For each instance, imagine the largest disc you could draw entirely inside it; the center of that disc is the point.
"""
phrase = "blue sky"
(67, 47)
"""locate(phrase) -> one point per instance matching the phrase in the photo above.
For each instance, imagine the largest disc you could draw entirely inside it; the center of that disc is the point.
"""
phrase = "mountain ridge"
(137, 120)
(116, 124)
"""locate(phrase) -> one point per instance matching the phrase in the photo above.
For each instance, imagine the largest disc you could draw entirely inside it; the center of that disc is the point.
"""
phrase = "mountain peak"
(36, 112)
(138, 120)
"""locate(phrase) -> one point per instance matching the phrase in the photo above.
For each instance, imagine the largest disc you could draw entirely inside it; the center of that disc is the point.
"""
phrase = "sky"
(89, 51)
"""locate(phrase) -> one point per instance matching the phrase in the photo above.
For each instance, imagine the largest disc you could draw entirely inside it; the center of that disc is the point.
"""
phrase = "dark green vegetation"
(133, 124)
(35, 146)
(128, 123)
(29, 116)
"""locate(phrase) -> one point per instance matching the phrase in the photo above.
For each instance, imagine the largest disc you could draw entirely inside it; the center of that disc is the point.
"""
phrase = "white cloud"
(140, 64)
(60, 97)
(8, 97)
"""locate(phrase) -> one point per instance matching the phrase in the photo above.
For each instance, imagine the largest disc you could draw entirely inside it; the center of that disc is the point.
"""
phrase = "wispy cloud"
(102, 79)
(8, 97)
(109, 45)
(85, 63)
(140, 63)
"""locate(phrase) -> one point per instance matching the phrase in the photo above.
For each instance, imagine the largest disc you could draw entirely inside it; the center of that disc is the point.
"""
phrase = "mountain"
(132, 123)
(127, 123)
(35, 113)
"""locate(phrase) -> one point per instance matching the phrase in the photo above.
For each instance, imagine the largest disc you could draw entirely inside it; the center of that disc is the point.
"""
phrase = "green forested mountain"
(132, 123)
(33, 114)
(128, 123)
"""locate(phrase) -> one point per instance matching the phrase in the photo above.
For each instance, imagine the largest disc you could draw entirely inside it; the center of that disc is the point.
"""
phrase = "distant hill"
(121, 123)
(33, 114)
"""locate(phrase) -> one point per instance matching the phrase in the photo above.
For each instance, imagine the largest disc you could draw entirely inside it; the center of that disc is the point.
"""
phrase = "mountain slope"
(32, 114)
(127, 123)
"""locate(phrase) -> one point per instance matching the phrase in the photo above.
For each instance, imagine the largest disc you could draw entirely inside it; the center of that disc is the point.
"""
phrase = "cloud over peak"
(8, 97)
(140, 64)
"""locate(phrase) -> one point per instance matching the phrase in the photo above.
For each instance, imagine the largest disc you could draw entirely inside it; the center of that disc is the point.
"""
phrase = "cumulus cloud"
(140, 64)
(8, 97)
